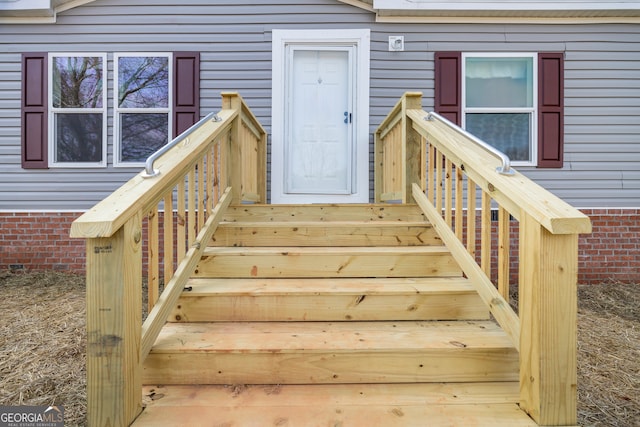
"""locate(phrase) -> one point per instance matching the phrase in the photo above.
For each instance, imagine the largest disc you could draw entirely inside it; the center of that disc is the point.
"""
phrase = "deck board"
(412, 261)
(459, 404)
(339, 299)
(330, 353)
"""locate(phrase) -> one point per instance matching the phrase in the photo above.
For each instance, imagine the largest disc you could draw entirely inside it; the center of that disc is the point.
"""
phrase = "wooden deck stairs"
(330, 315)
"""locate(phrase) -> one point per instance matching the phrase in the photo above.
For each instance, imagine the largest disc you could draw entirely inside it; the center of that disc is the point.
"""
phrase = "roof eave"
(500, 11)
(36, 12)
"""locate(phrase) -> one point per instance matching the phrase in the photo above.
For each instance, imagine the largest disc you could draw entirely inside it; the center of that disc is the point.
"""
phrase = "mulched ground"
(42, 347)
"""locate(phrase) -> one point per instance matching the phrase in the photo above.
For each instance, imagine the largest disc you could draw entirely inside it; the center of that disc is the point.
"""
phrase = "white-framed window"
(77, 110)
(142, 105)
(499, 102)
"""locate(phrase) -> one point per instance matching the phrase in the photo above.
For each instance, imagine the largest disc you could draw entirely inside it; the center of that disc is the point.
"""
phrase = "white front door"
(318, 152)
(319, 114)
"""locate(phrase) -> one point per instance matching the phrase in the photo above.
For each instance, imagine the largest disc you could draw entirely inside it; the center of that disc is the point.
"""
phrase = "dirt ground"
(42, 347)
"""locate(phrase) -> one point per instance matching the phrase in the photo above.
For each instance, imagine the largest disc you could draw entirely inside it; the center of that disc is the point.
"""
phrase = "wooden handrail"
(514, 192)
(446, 168)
(108, 216)
(183, 204)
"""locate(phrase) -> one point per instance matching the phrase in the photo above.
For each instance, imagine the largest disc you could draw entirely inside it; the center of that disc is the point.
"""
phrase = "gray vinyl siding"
(602, 83)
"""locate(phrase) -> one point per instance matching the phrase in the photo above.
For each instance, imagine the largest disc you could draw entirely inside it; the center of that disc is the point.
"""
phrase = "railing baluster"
(168, 237)
(191, 207)
(201, 199)
(153, 270)
(181, 223)
(485, 240)
(423, 161)
(217, 173)
(471, 217)
(448, 192)
(439, 183)
(459, 201)
(210, 202)
(431, 170)
(504, 252)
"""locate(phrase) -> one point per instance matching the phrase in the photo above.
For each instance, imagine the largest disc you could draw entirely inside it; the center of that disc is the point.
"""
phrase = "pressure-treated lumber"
(405, 405)
(514, 192)
(334, 233)
(329, 300)
(114, 319)
(415, 261)
(499, 307)
(326, 352)
(324, 213)
(158, 316)
(109, 215)
(548, 309)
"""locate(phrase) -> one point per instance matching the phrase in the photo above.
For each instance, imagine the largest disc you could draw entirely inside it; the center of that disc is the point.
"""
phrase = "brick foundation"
(40, 241)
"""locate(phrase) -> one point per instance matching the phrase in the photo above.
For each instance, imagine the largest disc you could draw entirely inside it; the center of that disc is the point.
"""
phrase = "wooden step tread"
(325, 262)
(328, 223)
(337, 299)
(325, 233)
(324, 212)
(337, 286)
(452, 404)
(329, 250)
(337, 337)
(330, 353)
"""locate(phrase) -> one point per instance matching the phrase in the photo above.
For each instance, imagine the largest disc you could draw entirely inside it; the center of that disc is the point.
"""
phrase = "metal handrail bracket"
(504, 169)
(149, 171)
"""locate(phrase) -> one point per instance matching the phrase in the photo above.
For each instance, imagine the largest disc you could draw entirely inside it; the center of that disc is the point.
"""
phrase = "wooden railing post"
(232, 101)
(548, 316)
(114, 321)
(413, 147)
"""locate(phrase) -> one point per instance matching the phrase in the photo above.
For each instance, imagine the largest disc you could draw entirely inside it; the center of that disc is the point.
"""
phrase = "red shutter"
(34, 111)
(448, 85)
(550, 110)
(186, 90)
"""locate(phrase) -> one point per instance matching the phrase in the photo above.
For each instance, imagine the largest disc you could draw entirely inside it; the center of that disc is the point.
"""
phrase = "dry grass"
(42, 347)
(43, 341)
(609, 355)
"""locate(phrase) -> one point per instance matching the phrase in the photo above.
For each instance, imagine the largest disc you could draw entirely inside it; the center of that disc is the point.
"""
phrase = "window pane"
(78, 137)
(141, 135)
(143, 82)
(509, 133)
(499, 82)
(77, 82)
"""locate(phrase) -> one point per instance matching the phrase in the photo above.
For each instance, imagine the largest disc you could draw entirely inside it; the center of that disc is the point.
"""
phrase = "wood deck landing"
(366, 405)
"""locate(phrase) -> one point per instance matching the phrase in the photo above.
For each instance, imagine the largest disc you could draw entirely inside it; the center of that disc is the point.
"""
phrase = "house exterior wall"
(602, 85)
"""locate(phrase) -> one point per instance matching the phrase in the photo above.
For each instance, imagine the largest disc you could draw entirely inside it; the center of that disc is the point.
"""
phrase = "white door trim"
(360, 38)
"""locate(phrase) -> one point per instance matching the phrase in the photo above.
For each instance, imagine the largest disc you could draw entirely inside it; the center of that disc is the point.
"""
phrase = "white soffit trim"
(35, 11)
(544, 11)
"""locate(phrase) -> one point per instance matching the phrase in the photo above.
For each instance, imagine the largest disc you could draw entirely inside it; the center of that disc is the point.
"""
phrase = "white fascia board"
(503, 5)
(26, 5)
